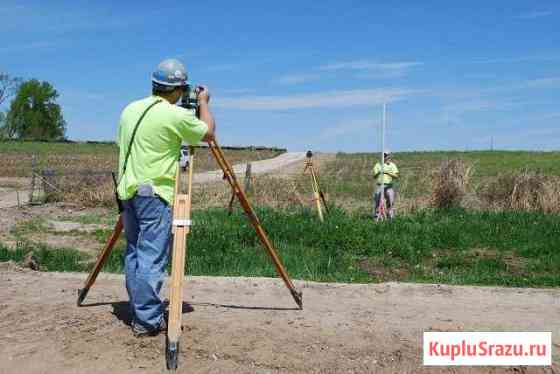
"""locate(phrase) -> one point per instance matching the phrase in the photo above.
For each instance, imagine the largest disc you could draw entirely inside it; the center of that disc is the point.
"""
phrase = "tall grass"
(349, 179)
(447, 246)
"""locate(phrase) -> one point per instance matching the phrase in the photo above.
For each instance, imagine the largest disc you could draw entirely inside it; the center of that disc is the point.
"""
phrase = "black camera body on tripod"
(189, 100)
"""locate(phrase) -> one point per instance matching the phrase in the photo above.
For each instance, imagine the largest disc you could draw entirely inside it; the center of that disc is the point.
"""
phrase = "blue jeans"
(147, 224)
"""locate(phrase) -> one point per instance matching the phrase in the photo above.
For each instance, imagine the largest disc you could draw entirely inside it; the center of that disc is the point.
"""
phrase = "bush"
(450, 184)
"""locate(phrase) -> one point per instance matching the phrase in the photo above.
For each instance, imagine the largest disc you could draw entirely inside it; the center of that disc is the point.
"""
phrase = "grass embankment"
(454, 247)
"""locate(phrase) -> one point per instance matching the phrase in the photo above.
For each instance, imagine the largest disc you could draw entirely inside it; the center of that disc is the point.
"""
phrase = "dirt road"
(248, 325)
(282, 161)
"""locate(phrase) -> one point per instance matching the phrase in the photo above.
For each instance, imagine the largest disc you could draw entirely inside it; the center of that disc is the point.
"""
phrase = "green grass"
(49, 259)
(488, 163)
(454, 247)
(25, 228)
(106, 218)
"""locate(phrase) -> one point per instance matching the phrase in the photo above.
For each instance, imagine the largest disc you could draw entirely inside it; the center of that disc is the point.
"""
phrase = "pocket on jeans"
(149, 208)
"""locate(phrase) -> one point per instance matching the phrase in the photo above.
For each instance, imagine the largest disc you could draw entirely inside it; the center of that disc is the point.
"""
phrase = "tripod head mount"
(184, 157)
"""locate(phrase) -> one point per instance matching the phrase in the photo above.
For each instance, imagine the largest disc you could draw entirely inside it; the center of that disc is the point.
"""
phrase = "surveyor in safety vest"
(385, 181)
(150, 134)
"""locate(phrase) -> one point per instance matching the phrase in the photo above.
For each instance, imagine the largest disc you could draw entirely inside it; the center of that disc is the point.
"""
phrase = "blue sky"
(307, 74)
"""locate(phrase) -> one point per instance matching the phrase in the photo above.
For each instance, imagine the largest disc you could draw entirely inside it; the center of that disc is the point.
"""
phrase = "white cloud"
(471, 106)
(222, 68)
(544, 82)
(346, 128)
(534, 14)
(330, 99)
(233, 91)
(297, 78)
(32, 46)
(528, 58)
(10, 9)
(372, 69)
(368, 65)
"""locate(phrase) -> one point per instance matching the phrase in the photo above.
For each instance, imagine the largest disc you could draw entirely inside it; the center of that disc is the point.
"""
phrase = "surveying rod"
(229, 174)
(382, 197)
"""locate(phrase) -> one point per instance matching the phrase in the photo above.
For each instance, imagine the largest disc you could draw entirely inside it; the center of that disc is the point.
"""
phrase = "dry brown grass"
(450, 183)
(86, 191)
(101, 159)
(275, 192)
(524, 191)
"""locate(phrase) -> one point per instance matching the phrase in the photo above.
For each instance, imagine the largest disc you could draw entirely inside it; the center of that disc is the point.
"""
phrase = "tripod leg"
(105, 252)
(181, 228)
(316, 196)
(321, 194)
(230, 175)
(177, 278)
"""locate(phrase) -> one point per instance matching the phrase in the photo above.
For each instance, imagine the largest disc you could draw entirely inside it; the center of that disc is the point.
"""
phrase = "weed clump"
(527, 190)
(450, 184)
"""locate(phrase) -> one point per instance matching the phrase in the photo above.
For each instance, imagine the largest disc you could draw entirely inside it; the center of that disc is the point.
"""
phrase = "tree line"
(33, 113)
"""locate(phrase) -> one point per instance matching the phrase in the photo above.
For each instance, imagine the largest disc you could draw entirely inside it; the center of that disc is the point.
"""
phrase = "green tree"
(8, 87)
(34, 113)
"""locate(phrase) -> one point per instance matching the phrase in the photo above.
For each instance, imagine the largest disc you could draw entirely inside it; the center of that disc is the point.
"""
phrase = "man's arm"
(204, 113)
(376, 170)
(394, 172)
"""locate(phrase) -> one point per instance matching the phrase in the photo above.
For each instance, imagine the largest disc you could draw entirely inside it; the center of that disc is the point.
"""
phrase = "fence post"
(49, 183)
(248, 179)
(33, 171)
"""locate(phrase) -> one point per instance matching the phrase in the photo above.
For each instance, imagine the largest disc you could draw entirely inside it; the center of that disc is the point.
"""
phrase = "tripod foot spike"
(298, 298)
(172, 355)
(82, 293)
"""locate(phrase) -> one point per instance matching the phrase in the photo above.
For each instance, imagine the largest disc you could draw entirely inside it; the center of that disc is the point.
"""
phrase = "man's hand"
(204, 112)
(203, 95)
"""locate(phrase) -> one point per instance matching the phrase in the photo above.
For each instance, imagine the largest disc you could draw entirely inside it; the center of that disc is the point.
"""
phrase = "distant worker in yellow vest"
(390, 174)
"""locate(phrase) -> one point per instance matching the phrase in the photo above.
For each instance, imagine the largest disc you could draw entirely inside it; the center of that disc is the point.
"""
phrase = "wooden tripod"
(180, 229)
(318, 195)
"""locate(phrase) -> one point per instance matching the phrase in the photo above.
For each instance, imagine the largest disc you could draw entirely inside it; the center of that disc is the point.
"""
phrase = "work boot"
(140, 331)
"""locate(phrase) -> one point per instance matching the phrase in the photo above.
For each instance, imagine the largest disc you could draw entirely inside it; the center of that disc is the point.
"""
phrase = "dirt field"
(249, 325)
